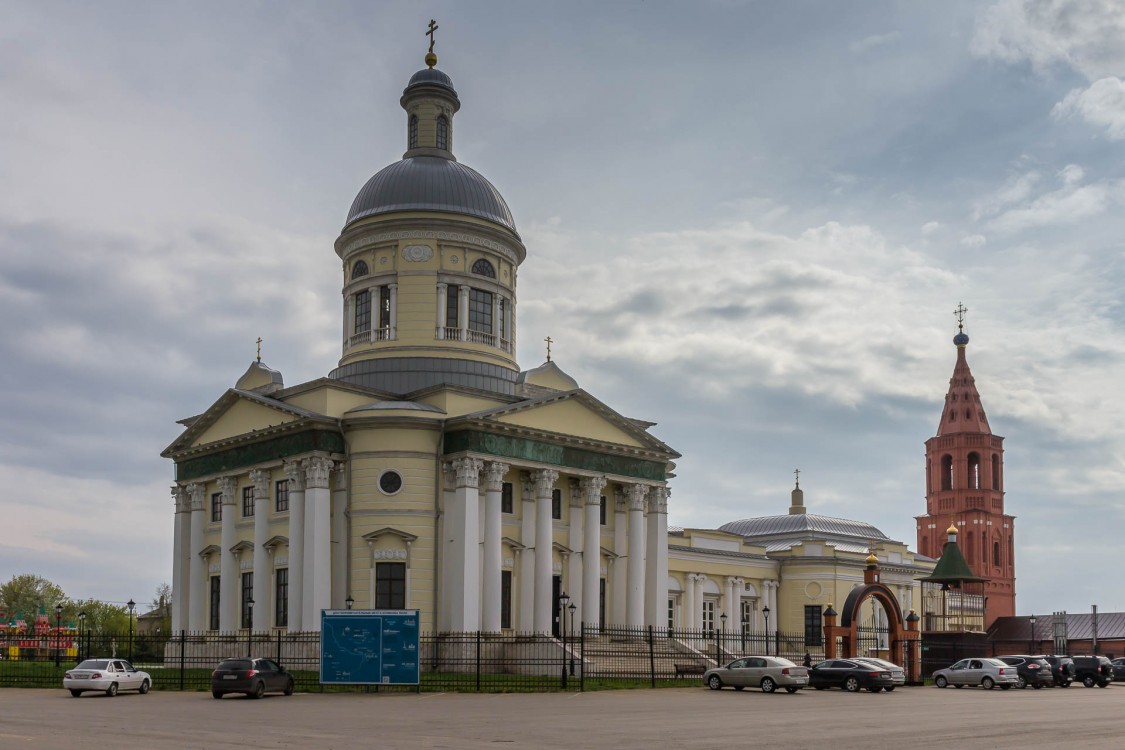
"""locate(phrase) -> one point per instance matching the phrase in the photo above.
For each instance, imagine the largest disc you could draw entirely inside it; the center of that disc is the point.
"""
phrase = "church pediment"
(235, 414)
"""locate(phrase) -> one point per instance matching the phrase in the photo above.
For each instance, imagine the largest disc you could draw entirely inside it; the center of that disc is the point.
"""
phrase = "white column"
(341, 545)
(490, 584)
(592, 550)
(635, 602)
(442, 290)
(729, 608)
(544, 600)
(263, 574)
(527, 556)
(463, 311)
(296, 476)
(620, 566)
(197, 577)
(656, 558)
(773, 608)
(574, 562)
(463, 546)
(700, 579)
(317, 581)
(228, 560)
(393, 333)
(181, 560)
(687, 616)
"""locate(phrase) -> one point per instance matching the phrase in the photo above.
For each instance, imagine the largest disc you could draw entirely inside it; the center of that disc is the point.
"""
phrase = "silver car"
(988, 673)
(898, 674)
(106, 676)
(765, 672)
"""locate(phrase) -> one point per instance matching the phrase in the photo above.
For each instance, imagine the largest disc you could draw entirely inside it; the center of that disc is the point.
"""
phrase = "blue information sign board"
(369, 646)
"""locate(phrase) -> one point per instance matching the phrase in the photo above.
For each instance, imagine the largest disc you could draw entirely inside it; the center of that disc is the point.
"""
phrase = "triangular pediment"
(576, 414)
(235, 414)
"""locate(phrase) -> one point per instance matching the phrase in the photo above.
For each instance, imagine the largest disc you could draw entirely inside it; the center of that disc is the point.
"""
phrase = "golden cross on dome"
(259, 349)
(960, 313)
(797, 473)
(430, 33)
(549, 341)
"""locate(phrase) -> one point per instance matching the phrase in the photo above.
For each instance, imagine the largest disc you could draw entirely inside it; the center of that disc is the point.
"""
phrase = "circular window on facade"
(390, 482)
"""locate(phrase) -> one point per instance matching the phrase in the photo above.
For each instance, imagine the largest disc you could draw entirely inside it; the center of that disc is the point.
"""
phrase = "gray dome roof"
(431, 183)
(803, 522)
(431, 76)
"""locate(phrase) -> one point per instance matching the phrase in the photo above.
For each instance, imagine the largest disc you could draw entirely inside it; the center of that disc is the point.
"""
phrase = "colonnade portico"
(309, 559)
(729, 601)
(472, 603)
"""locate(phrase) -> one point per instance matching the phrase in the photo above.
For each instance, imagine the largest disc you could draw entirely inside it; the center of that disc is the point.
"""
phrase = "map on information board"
(369, 646)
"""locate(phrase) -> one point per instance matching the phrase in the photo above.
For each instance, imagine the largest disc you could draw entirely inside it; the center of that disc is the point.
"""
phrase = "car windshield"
(235, 664)
(93, 664)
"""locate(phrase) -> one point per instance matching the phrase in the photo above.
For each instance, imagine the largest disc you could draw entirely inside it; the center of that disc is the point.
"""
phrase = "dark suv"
(1062, 669)
(1030, 670)
(1093, 670)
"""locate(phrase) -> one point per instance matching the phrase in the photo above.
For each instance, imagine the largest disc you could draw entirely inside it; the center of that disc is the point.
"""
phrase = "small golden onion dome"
(952, 529)
(431, 59)
(872, 559)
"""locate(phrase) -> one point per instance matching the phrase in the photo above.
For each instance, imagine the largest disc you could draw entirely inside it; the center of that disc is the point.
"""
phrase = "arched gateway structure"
(903, 637)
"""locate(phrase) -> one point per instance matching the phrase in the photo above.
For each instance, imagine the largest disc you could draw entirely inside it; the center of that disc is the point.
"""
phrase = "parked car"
(1030, 670)
(252, 677)
(766, 672)
(849, 674)
(1118, 669)
(107, 676)
(1093, 670)
(898, 674)
(983, 671)
(1062, 669)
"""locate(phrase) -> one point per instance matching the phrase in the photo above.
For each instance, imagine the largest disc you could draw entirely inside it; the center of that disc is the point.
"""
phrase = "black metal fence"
(585, 659)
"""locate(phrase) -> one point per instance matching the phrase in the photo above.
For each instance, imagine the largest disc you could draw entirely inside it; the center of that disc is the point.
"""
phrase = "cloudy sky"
(749, 222)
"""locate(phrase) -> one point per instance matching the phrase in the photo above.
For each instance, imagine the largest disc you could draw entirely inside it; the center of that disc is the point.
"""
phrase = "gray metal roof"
(431, 183)
(401, 375)
(803, 522)
(431, 76)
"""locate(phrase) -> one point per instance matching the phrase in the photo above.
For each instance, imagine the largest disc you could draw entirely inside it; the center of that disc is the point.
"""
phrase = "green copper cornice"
(556, 455)
(256, 453)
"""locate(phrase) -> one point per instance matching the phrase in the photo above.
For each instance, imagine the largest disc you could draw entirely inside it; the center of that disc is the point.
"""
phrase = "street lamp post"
(723, 627)
(250, 626)
(131, 604)
(1031, 648)
(349, 601)
(570, 635)
(745, 622)
(766, 614)
(58, 632)
(81, 629)
(563, 601)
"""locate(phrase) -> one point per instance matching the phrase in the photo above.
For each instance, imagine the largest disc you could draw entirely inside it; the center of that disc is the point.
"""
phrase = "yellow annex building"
(429, 471)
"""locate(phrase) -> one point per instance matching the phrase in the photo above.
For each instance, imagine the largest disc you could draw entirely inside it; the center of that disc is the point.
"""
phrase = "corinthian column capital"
(494, 472)
(592, 487)
(544, 481)
(316, 472)
(636, 496)
(181, 499)
(227, 486)
(198, 494)
(658, 500)
(261, 480)
(467, 471)
(295, 476)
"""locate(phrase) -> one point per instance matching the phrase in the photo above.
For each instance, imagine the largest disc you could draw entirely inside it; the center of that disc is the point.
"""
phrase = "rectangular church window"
(362, 311)
(281, 495)
(215, 601)
(247, 614)
(452, 295)
(281, 597)
(384, 307)
(216, 507)
(814, 626)
(506, 599)
(556, 504)
(480, 311)
(390, 585)
(247, 502)
(601, 511)
(506, 498)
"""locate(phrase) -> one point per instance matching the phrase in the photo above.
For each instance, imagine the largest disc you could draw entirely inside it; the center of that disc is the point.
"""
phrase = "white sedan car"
(765, 672)
(106, 676)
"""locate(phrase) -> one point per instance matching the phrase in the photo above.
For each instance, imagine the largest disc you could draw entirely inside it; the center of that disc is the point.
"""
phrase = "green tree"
(25, 594)
(101, 617)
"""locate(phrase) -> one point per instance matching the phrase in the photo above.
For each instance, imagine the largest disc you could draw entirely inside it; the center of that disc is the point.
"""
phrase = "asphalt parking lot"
(672, 718)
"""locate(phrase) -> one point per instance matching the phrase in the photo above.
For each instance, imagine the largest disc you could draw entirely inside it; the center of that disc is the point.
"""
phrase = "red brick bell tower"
(965, 488)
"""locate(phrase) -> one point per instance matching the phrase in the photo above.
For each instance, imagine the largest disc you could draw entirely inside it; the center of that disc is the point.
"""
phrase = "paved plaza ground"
(650, 719)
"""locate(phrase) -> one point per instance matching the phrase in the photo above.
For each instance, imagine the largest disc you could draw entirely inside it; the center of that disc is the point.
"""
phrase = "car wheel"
(1103, 683)
(768, 685)
(1005, 687)
(76, 693)
(216, 694)
(791, 690)
(1064, 684)
(940, 681)
(111, 690)
(874, 689)
(714, 682)
(1038, 686)
(821, 687)
(1021, 682)
(958, 686)
(851, 685)
(1088, 681)
(259, 690)
(988, 683)
(890, 689)
(289, 687)
(144, 687)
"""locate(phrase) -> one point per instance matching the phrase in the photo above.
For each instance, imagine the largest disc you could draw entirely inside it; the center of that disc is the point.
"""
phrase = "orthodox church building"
(965, 489)
(427, 470)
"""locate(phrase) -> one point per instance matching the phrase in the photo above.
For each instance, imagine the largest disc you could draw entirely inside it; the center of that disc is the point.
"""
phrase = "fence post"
(651, 657)
(279, 648)
(183, 638)
(582, 658)
(478, 660)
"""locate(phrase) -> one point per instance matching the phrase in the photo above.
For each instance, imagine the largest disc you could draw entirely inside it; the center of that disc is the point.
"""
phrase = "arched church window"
(953, 397)
(996, 554)
(974, 471)
(995, 471)
(359, 269)
(968, 414)
(483, 268)
(947, 472)
(952, 415)
(443, 132)
(412, 137)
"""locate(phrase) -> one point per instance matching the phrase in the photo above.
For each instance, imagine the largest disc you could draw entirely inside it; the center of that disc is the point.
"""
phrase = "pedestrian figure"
(808, 659)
